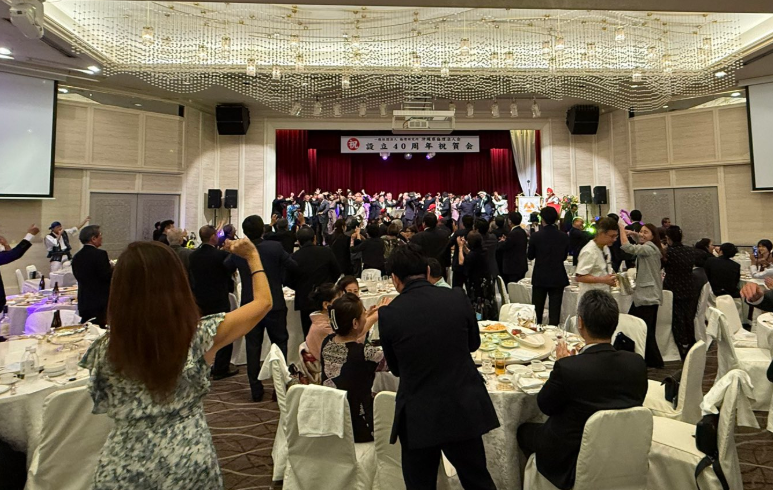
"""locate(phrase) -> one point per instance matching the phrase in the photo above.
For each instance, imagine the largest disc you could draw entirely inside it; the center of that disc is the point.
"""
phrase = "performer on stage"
(58, 243)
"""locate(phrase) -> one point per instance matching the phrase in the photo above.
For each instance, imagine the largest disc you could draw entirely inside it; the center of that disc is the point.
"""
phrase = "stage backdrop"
(307, 160)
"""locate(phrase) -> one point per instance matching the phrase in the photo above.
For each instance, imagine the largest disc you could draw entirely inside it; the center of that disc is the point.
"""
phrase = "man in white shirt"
(593, 264)
(58, 243)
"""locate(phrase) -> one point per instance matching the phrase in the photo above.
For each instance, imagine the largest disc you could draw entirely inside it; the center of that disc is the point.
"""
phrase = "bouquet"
(568, 201)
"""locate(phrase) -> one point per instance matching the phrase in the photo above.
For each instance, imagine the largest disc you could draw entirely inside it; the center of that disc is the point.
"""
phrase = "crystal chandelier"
(281, 54)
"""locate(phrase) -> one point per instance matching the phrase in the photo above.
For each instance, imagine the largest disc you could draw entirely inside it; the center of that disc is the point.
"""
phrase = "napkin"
(521, 355)
(321, 412)
(530, 383)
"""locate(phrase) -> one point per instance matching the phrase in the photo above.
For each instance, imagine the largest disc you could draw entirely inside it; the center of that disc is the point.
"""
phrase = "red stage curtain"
(313, 159)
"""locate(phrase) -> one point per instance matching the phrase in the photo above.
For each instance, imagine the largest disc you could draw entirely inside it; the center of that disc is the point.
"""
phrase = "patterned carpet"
(243, 432)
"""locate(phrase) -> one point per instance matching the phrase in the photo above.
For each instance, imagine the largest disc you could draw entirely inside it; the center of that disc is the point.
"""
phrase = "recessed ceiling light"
(5, 51)
(720, 74)
(665, 107)
(735, 94)
(634, 86)
(138, 105)
(63, 90)
(5, 57)
(94, 68)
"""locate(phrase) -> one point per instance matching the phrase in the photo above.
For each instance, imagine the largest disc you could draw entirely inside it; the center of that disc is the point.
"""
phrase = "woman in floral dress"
(150, 373)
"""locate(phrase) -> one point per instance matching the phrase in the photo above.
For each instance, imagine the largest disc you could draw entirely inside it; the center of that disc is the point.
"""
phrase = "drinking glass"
(499, 363)
(71, 364)
(485, 362)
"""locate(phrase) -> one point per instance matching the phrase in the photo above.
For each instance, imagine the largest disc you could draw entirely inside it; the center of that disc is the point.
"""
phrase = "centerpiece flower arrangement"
(567, 201)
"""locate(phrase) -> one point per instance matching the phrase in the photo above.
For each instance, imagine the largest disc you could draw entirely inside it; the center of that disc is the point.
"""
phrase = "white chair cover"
(700, 316)
(635, 329)
(30, 269)
(502, 291)
(371, 275)
(20, 281)
(571, 325)
(674, 456)
(690, 390)
(601, 465)
(325, 462)
(518, 293)
(754, 361)
(741, 338)
(40, 321)
(275, 367)
(71, 438)
(663, 333)
(511, 312)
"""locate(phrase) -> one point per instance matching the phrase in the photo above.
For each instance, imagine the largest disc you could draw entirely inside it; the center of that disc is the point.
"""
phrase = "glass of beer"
(499, 363)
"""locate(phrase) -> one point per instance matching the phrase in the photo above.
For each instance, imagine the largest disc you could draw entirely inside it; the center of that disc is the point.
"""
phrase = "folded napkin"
(530, 384)
(522, 355)
(94, 332)
(321, 412)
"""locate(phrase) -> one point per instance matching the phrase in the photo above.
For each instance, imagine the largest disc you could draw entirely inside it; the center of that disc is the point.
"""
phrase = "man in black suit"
(445, 207)
(316, 265)
(548, 248)
(8, 255)
(279, 204)
(411, 206)
(597, 378)
(569, 215)
(442, 403)
(93, 271)
(432, 241)
(308, 210)
(323, 206)
(211, 279)
(276, 262)
(282, 235)
(466, 208)
(371, 249)
(723, 273)
(514, 248)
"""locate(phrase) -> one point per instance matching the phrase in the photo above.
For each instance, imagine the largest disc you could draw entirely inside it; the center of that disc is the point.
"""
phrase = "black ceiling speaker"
(582, 119)
(232, 119)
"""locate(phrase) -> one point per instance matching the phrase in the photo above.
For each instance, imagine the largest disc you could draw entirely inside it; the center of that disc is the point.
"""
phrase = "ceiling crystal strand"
(280, 54)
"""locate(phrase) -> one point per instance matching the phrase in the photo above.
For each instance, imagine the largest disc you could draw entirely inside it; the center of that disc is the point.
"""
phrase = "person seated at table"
(436, 274)
(350, 365)
(597, 378)
(149, 373)
(323, 296)
(349, 284)
(723, 273)
(762, 257)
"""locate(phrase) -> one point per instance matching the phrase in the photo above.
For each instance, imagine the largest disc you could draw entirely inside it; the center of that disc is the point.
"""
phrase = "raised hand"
(242, 247)
(33, 230)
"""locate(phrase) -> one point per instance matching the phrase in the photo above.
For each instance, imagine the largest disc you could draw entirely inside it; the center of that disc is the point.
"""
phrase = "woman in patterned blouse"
(678, 267)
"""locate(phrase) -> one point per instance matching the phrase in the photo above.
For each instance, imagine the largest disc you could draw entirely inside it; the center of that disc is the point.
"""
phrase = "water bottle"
(32, 363)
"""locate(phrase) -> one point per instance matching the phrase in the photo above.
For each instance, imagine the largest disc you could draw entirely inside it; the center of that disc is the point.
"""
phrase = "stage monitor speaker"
(231, 197)
(232, 119)
(600, 194)
(582, 119)
(214, 198)
(586, 196)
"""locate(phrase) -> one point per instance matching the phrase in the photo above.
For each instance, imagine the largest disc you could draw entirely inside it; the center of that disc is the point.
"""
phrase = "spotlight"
(6, 57)
(636, 76)
(5, 51)
(252, 67)
(470, 109)
(513, 108)
(535, 110)
(408, 156)
(430, 156)
(317, 108)
(619, 34)
(276, 73)
(452, 107)
(382, 110)
(147, 35)
(345, 82)
(735, 94)
(363, 109)
(296, 108)
(464, 47)
(720, 74)
(337, 109)
(665, 107)
(444, 71)
(495, 109)
(63, 90)
(560, 44)
(384, 155)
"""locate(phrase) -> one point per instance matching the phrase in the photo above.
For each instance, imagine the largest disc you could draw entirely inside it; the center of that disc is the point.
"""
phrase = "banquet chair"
(635, 329)
(674, 455)
(40, 321)
(700, 315)
(30, 269)
(504, 298)
(275, 367)
(371, 275)
(754, 361)
(313, 377)
(71, 438)
(389, 468)
(511, 311)
(690, 390)
(571, 325)
(20, 281)
(518, 293)
(663, 333)
(320, 442)
(613, 453)
(740, 337)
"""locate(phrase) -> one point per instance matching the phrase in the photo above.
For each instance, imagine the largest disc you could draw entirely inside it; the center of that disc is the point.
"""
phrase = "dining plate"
(508, 344)
(486, 347)
(533, 341)
(490, 370)
(491, 327)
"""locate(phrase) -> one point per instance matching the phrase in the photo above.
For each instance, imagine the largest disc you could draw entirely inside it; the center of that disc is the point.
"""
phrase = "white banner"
(527, 205)
(406, 144)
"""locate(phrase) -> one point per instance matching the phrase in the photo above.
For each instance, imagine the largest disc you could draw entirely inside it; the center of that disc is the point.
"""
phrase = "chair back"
(601, 465)
(232, 301)
(40, 321)
(571, 325)
(635, 329)
(700, 315)
(691, 385)
(717, 330)
(71, 439)
(309, 369)
(518, 293)
(663, 333)
(726, 304)
(275, 367)
(20, 281)
(389, 467)
(371, 275)
(502, 290)
(30, 269)
(512, 311)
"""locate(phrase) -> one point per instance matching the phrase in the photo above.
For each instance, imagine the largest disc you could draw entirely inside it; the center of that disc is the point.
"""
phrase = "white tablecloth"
(64, 277)
(18, 314)
(572, 297)
(33, 285)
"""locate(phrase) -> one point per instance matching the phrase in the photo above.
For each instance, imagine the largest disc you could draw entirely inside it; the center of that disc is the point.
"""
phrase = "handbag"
(706, 441)
(672, 388)
(624, 342)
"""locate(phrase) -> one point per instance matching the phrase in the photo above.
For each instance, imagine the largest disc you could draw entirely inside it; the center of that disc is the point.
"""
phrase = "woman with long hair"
(150, 372)
(762, 259)
(648, 293)
(480, 282)
(679, 280)
(339, 245)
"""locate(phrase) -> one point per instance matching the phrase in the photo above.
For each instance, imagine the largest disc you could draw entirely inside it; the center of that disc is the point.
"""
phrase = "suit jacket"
(285, 238)
(184, 254)
(454, 246)
(322, 209)
(724, 276)
(411, 209)
(276, 262)
(6, 258)
(372, 250)
(278, 207)
(316, 265)
(91, 268)
(445, 208)
(600, 378)
(375, 209)
(211, 279)
(490, 244)
(514, 250)
(442, 397)
(766, 304)
(466, 208)
(548, 248)
(577, 240)
(433, 243)
(340, 246)
(567, 222)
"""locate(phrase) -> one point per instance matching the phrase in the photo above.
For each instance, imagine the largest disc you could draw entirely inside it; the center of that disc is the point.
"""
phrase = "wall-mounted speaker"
(232, 119)
(600, 194)
(214, 198)
(586, 196)
(582, 119)
(231, 198)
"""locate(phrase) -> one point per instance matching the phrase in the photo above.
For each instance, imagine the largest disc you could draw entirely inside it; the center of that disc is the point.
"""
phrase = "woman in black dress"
(679, 280)
(340, 246)
(479, 282)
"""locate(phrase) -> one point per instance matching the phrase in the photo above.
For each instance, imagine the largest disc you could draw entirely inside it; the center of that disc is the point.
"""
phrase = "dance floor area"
(244, 433)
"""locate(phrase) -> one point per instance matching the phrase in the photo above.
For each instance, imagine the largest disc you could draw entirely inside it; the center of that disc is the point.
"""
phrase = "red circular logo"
(353, 144)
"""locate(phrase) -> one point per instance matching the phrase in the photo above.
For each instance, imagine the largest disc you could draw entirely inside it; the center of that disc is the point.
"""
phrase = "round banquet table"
(764, 328)
(572, 297)
(18, 313)
(22, 413)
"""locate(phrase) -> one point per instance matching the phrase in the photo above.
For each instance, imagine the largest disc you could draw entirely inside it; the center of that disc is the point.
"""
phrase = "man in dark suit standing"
(8, 255)
(466, 208)
(411, 206)
(93, 271)
(283, 235)
(445, 207)
(569, 215)
(514, 247)
(597, 378)
(316, 265)
(548, 248)
(276, 262)
(432, 241)
(211, 278)
(442, 403)
(323, 206)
